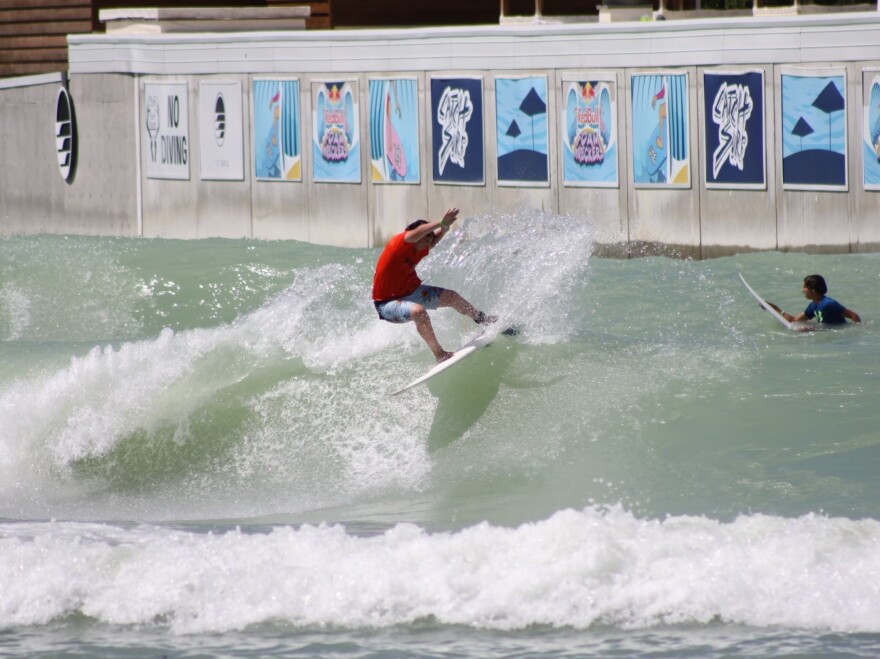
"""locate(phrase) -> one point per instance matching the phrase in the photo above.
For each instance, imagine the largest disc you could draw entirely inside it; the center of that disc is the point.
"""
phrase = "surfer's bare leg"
(465, 308)
(422, 320)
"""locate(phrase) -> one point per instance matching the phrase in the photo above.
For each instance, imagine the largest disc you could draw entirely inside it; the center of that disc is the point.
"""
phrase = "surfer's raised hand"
(450, 217)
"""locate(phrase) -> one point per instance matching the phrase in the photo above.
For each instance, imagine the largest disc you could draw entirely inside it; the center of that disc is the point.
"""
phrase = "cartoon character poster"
(457, 130)
(871, 138)
(277, 148)
(814, 129)
(589, 139)
(521, 130)
(335, 137)
(660, 130)
(394, 130)
(734, 107)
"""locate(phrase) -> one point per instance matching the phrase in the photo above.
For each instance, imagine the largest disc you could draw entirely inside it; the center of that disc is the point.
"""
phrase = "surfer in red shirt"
(399, 294)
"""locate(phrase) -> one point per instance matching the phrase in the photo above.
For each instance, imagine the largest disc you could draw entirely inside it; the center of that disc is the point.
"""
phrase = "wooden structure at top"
(33, 33)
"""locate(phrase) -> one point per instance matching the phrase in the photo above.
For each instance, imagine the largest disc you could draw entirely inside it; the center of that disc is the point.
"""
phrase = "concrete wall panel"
(106, 172)
(35, 198)
(663, 214)
(728, 216)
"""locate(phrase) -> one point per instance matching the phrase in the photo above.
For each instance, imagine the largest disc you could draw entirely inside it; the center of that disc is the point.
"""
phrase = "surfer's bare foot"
(443, 356)
(483, 319)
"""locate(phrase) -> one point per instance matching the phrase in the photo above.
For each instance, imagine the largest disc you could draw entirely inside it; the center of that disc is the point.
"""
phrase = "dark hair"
(417, 223)
(816, 283)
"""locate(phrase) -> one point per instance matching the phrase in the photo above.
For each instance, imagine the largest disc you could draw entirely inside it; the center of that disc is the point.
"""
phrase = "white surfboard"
(767, 307)
(483, 340)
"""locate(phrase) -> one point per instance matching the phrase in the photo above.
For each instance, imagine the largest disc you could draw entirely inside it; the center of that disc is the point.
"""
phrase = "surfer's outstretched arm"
(436, 230)
(792, 319)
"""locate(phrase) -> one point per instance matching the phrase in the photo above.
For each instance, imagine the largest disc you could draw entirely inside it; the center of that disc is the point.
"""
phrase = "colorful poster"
(814, 129)
(457, 130)
(521, 130)
(221, 138)
(589, 140)
(660, 130)
(734, 107)
(871, 138)
(336, 150)
(394, 130)
(166, 134)
(277, 148)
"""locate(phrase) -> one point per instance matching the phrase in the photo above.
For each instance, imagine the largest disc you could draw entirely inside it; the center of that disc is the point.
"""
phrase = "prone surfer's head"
(816, 283)
(417, 223)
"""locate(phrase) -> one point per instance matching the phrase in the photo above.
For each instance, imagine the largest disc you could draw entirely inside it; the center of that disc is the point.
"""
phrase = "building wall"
(100, 198)
(111, 194)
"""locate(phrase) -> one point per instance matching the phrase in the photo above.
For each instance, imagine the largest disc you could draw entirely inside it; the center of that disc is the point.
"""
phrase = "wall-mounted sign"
(336, 143)
(871, 134)
(813, 110)
(394, 130)
(457, 130)
(660, 153)
(521, 132)
(276, 143)
(734, 107)
(221, 140)
(589, 130)
(65, 134)
(166, 130)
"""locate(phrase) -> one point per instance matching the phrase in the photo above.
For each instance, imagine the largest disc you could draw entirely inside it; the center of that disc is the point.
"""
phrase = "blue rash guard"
(827, 310)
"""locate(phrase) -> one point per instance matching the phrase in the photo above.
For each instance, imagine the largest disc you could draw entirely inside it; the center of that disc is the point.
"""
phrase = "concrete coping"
(161, 20)
(33, 80)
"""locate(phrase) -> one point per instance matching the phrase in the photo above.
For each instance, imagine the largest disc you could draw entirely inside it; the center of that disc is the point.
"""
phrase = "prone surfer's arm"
(852, 315)
(792, 319)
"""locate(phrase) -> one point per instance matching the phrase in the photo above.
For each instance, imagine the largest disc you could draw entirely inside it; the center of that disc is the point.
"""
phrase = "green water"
(199, 455)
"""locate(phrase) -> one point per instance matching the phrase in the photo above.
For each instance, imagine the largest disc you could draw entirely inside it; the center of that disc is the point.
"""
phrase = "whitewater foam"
(576, 569)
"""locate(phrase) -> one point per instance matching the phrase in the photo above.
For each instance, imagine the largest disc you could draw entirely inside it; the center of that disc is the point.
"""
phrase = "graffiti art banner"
(871, 137)
(457, 130)
(589, 139)
(814, 129)
(521, 130)
(336, 149)
(734, 107)
(660, 130)
(394, 130)
(221, 138)
(277, 148)
(166, 134)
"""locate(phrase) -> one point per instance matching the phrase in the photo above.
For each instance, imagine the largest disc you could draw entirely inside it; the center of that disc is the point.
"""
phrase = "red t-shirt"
(396, 269)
